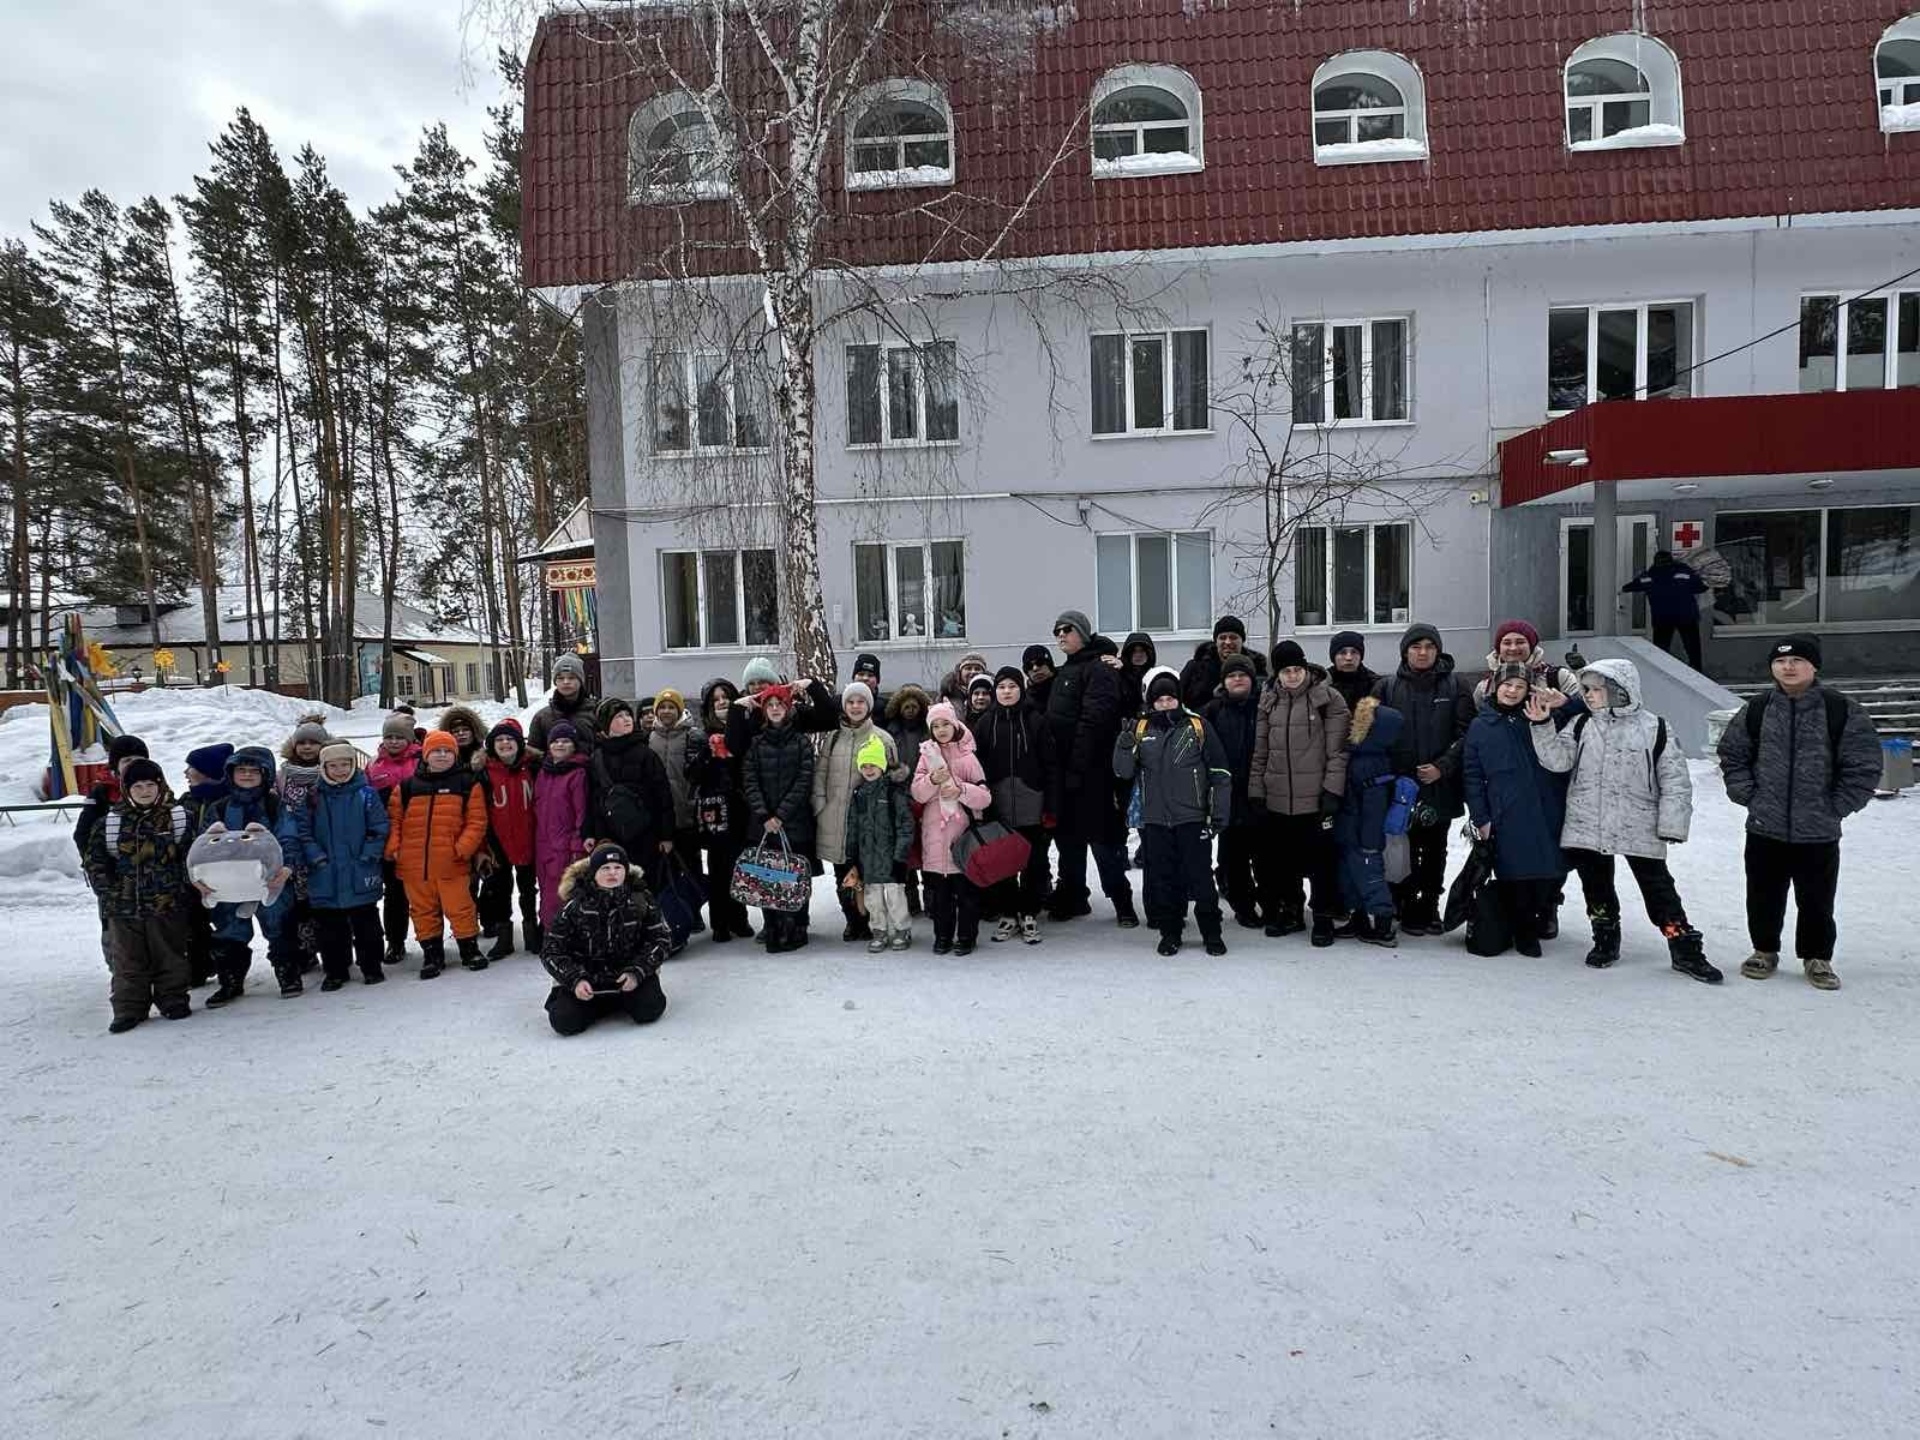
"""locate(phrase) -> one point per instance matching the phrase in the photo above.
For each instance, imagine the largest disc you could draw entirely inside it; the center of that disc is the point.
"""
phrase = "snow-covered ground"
(1075, 1190)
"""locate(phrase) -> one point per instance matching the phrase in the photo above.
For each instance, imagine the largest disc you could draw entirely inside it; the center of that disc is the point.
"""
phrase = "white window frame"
(1366, 324)
(739, 554)
(1172, 537)
(1895, 93)
(1167, 384)
(887, 440)
(736, 363)
(1641, 307)
(1657, 64)
(403, 682)
(901, 176)
(473, 677)
(891, 550)
(1890, 354)
(1395, 70)
(708, 185)
(1335, 622)
(1180, 87)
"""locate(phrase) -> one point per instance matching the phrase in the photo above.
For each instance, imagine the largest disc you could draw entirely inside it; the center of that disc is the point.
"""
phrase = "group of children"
(1329, 782)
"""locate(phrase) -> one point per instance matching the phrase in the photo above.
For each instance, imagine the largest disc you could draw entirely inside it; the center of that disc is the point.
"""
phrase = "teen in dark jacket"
(1186, 791)
(630, 798)
(1233, 715)
(1436, 709)
(1299, 775)
(1015, 750)
(720, 809)
(1138, 655)
(1085, 709)
(1516, 802)
(778, 778)
(1347, 653)
(1201, 677)
(605, 947)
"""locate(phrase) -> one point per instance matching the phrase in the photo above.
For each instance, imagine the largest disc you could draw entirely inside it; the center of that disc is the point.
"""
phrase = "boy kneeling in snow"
(137, 865)
(605, 947)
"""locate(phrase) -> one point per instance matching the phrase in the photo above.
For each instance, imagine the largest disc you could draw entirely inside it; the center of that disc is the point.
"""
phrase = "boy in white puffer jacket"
(1630, 794)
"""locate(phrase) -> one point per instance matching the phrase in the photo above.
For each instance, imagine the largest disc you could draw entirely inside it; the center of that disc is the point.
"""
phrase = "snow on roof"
(573, 533)
(1638, 137)
(1355, 152)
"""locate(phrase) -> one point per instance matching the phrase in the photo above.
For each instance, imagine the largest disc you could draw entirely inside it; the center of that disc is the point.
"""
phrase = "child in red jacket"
(508, 861)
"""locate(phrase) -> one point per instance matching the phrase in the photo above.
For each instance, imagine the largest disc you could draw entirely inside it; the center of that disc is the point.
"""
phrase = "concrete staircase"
(1894, 702)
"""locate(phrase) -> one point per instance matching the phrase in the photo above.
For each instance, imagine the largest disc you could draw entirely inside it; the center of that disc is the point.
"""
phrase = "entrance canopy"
(1714, 446)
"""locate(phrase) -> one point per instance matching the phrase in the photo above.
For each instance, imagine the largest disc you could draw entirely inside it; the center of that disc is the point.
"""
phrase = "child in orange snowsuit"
(439, 823)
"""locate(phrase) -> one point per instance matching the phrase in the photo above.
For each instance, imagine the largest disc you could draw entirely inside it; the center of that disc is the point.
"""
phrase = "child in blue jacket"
(250, 801)
(343, 838)
(1360, 827)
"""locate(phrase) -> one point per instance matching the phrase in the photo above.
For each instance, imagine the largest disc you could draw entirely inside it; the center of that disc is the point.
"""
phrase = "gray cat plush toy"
(237, 867)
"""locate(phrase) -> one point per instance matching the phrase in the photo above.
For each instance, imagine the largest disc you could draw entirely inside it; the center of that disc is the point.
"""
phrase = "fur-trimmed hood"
(577, 874)
(458, 714)
(1375, 726)
(906, 693)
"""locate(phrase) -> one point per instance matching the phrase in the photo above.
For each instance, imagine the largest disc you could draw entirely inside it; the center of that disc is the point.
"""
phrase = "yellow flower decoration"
(99, 661)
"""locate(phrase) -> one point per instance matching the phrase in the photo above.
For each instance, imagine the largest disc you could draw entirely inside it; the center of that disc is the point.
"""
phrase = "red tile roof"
(1778, 94)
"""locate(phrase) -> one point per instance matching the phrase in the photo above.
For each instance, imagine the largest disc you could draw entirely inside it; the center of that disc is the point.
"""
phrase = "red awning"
(1830, 433)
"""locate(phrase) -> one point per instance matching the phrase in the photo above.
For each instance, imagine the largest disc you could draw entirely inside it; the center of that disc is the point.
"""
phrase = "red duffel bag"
(987, 852)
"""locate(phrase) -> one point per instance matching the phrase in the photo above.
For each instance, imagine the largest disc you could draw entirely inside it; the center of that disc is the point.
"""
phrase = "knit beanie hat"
(563, 730)
(611, 706)
(1036, 655)
(1008, 672)
(943, 710)
(606, 855)
(1288, 652)
(141, 768)
(1076, 620)
(395, 727)
(311, 732)
(120, 747)
(782, 693)
(438, 740)
(1417, 632)
(1236, 665)
(511, 729)
(972, 658)
(671, 697)
(211, 760)
(856, 687)
(980, 682)
(1162, 682)
(1229, 625)
(873, 751)
(1516, 627)
(1512, 670)
(867, 663)
(1804, 647)
(759, 668)
(339, 750)
(570, 664)
(1347, 640)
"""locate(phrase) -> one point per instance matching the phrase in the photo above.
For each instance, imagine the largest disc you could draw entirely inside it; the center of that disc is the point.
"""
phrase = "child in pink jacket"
(393, 764)
(951, 788)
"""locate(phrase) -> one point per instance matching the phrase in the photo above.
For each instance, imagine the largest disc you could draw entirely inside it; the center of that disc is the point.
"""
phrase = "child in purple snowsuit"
(559, 811)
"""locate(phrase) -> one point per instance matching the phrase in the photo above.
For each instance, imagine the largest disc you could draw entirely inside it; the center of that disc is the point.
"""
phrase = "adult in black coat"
(1036, 661)
(1437, 709)
(1014, 746)
(778, 777)
(1137, 656)
(1673, 594)
(1233, 715)
(1085, 709)
(1200, 677)
(1350, 677)
(720, 807)
(629, 798)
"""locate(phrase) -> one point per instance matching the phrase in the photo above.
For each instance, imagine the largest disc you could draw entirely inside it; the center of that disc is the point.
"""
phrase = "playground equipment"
(79, 715)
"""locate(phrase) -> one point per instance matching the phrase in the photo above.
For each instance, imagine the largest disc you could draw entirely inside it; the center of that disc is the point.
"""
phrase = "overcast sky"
(124, 95)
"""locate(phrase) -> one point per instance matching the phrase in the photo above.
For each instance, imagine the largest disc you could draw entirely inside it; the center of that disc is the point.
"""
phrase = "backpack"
(1659, 737)
(1836, 704)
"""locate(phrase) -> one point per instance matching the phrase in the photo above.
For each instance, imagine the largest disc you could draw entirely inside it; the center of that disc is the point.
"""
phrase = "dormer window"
(672, 153)
(1896, 74)
(899, 134)
(1623, 93)
(1368, 106)
(1146, 121)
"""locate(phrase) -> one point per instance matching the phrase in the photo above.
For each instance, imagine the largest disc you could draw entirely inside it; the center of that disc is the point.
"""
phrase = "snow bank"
(1172, 162)
(900, 179)
(1637, 138)
(1895, 118)
(1360, 152)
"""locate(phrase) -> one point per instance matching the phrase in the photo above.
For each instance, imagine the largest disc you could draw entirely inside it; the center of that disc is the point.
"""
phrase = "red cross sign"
(1687, 535)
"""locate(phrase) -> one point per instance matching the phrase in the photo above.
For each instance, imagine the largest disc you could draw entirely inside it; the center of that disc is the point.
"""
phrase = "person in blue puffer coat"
(343, 838)
(250, 801)
(1360, 825)
(1517, 804)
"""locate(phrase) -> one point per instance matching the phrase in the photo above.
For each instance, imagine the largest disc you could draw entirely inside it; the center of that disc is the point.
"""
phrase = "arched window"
(1896, 73)
(899, 133)
(1623, 91)
(672, 153)
(1369, 106)
(1146, 121)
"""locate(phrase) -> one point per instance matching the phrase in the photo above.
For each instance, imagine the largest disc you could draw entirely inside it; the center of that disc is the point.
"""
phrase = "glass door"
(1638, 538)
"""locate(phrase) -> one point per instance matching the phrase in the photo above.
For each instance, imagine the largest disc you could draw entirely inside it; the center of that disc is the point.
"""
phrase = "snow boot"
(1382, 930)
(332, 983)
(1323, 930)
(470, 955)
(433, 958)
(503, 943)
(942, 947)
(177, 1009)
(1689, 956)
(902, 939)
(1124, 914)
(878, 944)
(373, 975)
(1248, 919)
(1550, 923)
(290, 982)
(1287, 920)
(229, 991)
(1760, 965)
(1606, 938)
(1169, 944)
(858, 928)
(396, 953)
(1007, 929)
(1820, 974)
(533, 935)
(123, 1023)
(1030, 929)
